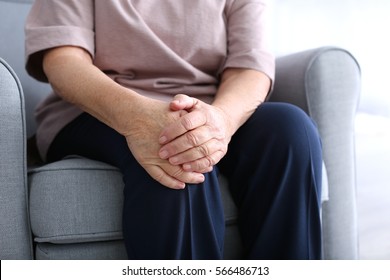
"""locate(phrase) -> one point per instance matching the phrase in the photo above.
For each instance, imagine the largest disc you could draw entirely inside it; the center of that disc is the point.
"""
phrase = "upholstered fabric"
(328, 88)
(109, 250)
(76, 200)
(12, 17)
(15, 238)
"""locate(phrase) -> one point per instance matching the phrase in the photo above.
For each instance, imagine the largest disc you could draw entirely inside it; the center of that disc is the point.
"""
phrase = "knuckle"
(192, 139)
(203, 150)
(203, 164)
(186, 122)
(210, 161)
(197, 166)
(159, 177)
(177, 173)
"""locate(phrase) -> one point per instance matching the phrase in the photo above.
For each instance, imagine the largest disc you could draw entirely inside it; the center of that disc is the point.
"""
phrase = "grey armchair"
(50, 211)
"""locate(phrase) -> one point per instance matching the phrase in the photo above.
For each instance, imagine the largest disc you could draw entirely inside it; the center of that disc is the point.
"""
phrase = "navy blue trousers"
(273, 166)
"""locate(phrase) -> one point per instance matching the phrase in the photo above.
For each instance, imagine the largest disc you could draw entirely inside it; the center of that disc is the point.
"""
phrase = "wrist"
(231, 123)
(128, 106)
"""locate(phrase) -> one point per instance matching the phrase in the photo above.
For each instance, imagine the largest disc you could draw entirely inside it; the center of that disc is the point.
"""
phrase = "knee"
(288, 124)
(294, 138)
(286, 129)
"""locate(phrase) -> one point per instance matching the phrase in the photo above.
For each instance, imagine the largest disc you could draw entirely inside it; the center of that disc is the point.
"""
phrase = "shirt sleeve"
(54, 23)
(248, 41)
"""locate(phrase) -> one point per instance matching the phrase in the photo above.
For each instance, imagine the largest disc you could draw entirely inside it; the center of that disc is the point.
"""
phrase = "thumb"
(182, 102)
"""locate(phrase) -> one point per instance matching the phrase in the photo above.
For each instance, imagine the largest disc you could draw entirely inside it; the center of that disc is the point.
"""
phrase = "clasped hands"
(192, 136)
(198, 140)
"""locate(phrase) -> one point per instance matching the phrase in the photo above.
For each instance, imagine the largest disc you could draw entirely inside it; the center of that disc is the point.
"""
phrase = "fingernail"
(174, 160)
(163, 154)
(162, 139)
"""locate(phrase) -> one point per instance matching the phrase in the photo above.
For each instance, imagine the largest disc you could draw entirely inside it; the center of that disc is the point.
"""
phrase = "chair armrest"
(15, 234)
(325, 82)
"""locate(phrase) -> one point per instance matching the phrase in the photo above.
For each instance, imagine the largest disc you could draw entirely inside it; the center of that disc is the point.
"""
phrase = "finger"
(186, 123)
(178, 173)
(198, 152)
(173, 177)
(185, 142)
(164, 179)
(206, 170)
(203, 164)
(182, 102)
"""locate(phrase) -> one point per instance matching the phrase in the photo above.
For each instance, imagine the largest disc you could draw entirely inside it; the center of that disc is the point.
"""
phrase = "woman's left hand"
(199, 139)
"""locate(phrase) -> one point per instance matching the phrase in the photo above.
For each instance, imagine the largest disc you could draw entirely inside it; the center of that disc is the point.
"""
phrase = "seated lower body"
(273, 166)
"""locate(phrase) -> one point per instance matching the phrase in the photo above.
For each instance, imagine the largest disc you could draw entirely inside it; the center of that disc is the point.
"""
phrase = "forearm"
(73, 76)
(241, 91)
(139, 119)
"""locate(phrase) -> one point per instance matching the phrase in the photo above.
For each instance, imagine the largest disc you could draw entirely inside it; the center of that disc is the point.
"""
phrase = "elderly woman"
(172, 93)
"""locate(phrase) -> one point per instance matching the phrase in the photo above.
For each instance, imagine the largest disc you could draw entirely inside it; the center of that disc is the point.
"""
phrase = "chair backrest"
(13, 14)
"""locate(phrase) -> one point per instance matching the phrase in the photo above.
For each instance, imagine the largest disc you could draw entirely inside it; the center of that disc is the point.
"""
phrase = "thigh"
(158, 222)
(274, 171)
(275, 134)
(88, 137)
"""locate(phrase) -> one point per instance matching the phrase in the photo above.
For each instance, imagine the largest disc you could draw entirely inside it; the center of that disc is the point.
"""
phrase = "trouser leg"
(274, 171)
(158, 223)
(173, 224)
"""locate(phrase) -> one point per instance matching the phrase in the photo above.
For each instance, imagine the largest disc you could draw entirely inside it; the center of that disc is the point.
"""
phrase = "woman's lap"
(273, 167)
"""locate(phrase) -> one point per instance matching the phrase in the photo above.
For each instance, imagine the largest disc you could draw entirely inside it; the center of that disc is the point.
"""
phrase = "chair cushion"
(76, 200)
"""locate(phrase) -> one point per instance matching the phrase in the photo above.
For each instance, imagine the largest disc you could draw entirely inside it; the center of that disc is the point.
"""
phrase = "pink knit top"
(157, 48)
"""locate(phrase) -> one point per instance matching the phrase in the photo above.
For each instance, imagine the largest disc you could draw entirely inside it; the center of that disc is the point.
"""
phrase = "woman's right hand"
(142, 135)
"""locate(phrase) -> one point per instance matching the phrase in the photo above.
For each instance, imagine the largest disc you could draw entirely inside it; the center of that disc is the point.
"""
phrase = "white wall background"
(360, 26)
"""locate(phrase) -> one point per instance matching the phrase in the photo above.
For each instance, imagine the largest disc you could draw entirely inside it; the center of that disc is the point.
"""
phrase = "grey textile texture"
(15, 236)
(12, 17)
(110, 250)
(76, 200)
(328, 89)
